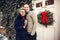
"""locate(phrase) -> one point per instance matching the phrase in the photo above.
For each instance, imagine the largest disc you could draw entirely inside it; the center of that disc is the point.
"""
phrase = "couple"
(25, 24)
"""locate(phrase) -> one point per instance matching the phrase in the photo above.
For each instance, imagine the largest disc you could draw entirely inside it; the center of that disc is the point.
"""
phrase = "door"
(49, 33)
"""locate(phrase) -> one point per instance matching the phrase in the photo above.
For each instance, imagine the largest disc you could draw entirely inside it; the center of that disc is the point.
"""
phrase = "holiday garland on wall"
(45, 18)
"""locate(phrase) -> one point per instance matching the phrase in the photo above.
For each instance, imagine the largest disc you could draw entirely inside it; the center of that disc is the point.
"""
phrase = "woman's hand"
(25, 24)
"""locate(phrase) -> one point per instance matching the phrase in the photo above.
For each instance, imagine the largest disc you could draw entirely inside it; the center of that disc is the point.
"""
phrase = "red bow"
(44, 17)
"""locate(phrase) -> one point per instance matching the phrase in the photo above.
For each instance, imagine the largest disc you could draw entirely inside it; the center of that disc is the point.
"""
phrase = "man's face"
(22, 12)
(26, 7)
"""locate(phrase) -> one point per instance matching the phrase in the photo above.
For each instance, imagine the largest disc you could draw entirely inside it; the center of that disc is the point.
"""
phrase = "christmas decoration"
(45, 18)
(8, 11)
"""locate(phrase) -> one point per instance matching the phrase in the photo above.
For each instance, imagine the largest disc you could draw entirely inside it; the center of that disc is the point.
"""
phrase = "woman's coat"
(21, 33)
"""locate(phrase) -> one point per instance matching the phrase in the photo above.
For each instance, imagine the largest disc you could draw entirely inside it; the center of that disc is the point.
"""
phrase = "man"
(32, 23)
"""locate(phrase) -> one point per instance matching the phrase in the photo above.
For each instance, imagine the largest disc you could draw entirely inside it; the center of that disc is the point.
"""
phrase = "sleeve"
(30, 24)
(35, 20)
(17, 26)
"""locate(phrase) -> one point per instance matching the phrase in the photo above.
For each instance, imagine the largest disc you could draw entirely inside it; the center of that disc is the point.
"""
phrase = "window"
(39, 4)
(49, 2)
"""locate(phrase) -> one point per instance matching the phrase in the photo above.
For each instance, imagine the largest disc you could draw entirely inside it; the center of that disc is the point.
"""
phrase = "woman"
(20, 27)
(32, 22)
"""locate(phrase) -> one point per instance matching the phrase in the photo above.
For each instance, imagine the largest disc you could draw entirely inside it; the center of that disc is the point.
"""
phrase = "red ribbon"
(44, 17)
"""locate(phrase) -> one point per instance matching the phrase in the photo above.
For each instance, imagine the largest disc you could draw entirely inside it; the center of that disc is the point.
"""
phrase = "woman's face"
(22, 12)
(26, 7)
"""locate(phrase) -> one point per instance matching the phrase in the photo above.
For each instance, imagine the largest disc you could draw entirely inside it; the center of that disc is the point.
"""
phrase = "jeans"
(32, 37)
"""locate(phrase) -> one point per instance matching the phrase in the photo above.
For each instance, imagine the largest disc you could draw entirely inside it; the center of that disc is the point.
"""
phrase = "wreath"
(45, 18)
